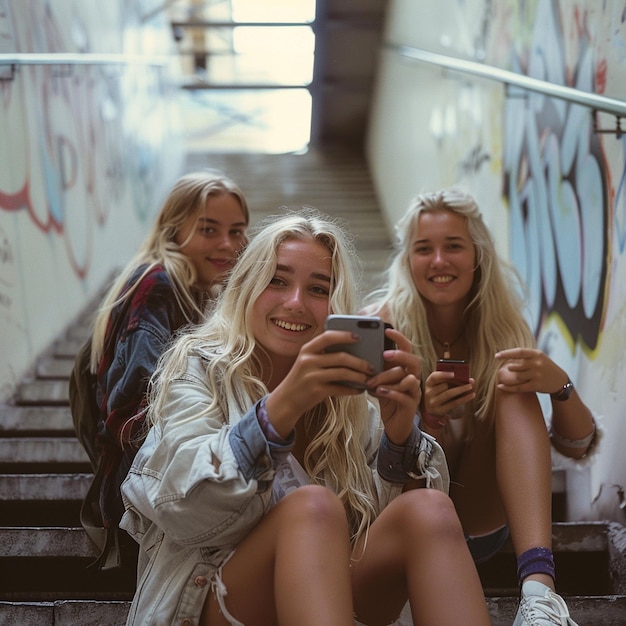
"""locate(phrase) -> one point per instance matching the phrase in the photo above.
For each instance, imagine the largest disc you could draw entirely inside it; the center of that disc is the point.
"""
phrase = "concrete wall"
(552, 189)
(87, 153)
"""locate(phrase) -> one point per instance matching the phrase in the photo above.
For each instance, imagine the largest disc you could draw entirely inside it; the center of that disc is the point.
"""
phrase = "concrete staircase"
(44, 475)
(336, 181)
(44, 472)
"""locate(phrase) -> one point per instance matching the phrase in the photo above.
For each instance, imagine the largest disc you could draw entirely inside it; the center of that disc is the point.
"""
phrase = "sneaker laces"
(431, 464)
(546, 610)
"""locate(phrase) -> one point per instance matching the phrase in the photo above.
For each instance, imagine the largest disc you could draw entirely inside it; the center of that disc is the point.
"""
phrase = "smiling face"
(293, 307)
(213, 237)
(442, 258)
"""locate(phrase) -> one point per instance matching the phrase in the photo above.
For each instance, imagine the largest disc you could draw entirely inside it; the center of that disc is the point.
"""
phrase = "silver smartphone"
(371, 330)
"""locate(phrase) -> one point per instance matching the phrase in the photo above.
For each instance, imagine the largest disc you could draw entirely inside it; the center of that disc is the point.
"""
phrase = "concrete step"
(40, 392)
(67, 347)
(54, 367)
(36, 420)
(590, 560)
(42, 500)
(43, 487)
(64, 612)
(594, 540)
(29, 451)
(36, 543)
(587, 611)
(39, 564)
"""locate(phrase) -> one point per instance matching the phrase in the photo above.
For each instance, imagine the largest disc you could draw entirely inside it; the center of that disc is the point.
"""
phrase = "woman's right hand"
(441, 398)
(313, 377)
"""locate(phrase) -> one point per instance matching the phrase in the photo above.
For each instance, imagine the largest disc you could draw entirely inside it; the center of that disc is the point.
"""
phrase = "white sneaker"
(540, 606)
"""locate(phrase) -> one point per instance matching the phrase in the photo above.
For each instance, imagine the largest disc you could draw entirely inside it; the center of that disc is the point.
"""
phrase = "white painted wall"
(552, 189)
(86, 155)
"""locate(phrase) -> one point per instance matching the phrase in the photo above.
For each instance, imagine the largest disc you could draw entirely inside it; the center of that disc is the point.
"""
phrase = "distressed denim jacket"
(198, 485)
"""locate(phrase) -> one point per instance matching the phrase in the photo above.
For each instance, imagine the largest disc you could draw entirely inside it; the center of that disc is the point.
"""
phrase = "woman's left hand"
(398, 388)
(529, 369)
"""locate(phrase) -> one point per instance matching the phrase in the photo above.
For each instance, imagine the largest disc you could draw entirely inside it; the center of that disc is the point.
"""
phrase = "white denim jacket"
(198, 485)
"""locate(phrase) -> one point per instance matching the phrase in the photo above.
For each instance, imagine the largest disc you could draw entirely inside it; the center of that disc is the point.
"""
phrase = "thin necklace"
(447, 345)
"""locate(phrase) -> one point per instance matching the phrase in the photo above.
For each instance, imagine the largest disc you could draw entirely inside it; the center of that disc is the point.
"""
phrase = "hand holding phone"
(458, 366)
(371, 345)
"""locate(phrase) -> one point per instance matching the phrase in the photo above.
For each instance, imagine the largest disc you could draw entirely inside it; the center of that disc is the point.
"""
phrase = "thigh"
(407, 535)
(474, 485)
(250, 575)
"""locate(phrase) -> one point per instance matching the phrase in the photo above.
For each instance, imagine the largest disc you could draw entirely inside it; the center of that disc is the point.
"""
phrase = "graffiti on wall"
(557, 190)
(76, 139)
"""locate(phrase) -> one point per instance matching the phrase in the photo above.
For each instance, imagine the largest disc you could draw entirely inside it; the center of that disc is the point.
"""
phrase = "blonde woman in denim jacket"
(267, 492)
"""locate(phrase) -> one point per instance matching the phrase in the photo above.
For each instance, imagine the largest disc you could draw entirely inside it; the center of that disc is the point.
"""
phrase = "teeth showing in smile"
(441, 279)
(290, 326)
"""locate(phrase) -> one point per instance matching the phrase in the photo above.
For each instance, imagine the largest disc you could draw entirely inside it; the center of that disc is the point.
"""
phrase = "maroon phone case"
(460, 369)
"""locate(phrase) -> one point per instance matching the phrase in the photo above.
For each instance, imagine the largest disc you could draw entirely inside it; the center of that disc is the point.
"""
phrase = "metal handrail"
(594, 101)
(233, 24)
(79, 59)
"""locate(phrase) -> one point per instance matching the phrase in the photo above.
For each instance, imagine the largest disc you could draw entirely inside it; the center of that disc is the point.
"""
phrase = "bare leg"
(524, 473)
(293, 567)
(416, 549)
(474, 485)
(504, 476)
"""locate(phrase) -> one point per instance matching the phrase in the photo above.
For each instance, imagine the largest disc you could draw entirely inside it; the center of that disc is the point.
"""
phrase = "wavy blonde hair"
(494, 318)
(187, 197)
(338, 427)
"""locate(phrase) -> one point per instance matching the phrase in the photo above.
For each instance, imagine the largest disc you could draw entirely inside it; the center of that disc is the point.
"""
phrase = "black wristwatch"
(564, 393)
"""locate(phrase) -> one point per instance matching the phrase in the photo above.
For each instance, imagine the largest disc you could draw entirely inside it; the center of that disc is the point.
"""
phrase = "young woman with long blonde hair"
(270, 493)
(167, 286)
(450, 294)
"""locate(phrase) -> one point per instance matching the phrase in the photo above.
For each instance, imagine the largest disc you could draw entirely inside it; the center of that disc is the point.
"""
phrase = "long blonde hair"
(187, 197)
(338, 427)
(494, 316)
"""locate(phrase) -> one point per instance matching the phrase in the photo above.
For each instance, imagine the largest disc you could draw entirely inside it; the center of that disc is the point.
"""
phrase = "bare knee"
(315, 506)
(426, 511)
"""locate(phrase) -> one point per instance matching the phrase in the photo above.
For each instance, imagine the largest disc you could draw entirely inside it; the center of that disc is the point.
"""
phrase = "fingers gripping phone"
(370, 347)
(459, 367)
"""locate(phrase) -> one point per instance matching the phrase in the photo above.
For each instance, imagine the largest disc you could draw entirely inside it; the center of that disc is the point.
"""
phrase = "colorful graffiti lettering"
(555, 180)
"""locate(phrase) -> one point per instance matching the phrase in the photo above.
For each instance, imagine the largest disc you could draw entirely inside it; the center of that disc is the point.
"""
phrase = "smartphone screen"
(459, 367)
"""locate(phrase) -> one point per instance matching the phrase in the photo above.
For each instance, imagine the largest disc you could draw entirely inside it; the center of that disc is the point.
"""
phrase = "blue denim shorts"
(483, 547)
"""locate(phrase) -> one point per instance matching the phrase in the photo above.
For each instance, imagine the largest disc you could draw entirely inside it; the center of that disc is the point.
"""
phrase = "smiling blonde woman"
(268, 492)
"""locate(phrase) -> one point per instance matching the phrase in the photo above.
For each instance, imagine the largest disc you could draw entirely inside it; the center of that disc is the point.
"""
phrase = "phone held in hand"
(458, 366)
(371, 331)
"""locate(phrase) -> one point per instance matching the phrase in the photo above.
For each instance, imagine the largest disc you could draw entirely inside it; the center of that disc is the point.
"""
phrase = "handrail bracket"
(618, 130)
(7, 72)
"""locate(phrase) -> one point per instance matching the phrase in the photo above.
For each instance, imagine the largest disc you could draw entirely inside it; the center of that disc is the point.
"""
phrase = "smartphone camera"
(368, 323)
(388, 344)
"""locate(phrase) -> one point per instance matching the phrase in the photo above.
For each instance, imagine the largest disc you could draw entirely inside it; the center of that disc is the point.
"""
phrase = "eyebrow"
(289, 269)
(208, 220)
(447, 238)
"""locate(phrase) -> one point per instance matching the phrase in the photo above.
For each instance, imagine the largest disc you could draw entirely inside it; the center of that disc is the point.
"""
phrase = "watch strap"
(564, 393)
